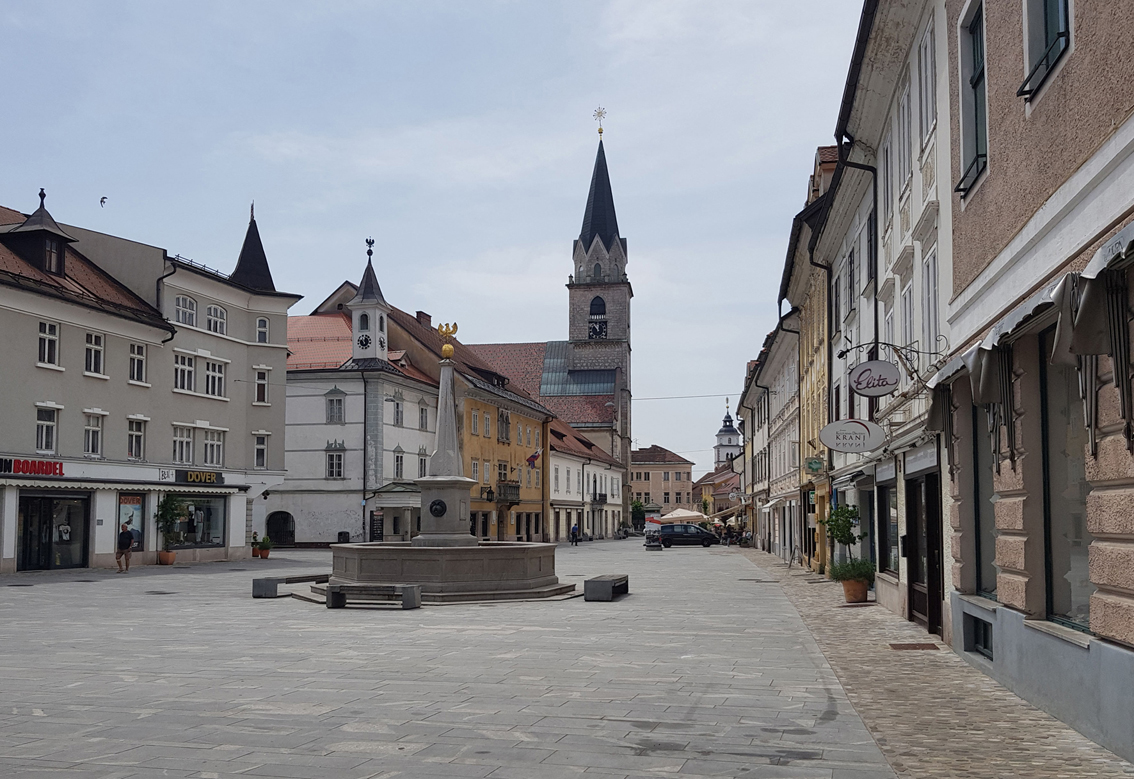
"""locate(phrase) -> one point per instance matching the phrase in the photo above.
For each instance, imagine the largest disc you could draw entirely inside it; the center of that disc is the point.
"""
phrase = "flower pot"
(255, 551)
(166, 558)
(264, 554)
(854, 591)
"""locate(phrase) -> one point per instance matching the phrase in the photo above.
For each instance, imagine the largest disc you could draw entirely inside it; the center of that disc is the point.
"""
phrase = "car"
(688, 535)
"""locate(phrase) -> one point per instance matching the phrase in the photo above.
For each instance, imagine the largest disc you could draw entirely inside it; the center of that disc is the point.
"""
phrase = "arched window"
(363, 321)
(216, 320)
(262, 330)
(381, 324)
(598, 307)
(185, 310)
(598, 271)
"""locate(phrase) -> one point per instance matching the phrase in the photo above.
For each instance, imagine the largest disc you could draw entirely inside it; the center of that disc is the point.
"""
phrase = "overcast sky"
(459, 135)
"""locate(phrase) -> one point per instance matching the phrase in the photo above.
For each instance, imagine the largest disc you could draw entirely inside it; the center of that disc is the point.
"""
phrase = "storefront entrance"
(52, 532)
(923, 550)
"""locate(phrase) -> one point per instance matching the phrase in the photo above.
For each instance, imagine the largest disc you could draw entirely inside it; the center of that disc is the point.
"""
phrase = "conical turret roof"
(599, 218)
(252, 266)
(368, 289)
(42, 222)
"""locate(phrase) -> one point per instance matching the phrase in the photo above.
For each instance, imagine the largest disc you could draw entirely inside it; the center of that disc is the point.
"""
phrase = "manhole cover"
(159, 592)
(914, 646)
(21, 585)
(84, 581)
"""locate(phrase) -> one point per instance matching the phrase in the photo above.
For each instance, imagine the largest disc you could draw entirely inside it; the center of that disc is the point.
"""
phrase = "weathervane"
(600, 114)
(369, 248)
(447, 332)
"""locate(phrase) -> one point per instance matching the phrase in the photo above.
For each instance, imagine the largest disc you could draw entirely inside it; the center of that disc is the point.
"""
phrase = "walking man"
(125, 543)
(574, 535)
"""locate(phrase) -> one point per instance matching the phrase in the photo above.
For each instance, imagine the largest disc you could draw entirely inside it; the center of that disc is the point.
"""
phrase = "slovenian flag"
(533, 459)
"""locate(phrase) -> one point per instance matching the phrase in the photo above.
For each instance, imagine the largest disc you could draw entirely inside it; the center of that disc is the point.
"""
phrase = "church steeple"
(252, 266)
(369, 313)
(600, 219)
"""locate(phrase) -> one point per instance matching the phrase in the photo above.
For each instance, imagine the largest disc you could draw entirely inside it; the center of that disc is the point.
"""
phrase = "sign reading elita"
(200, 477)
(852, 435)
(31, 467)
(875, 378)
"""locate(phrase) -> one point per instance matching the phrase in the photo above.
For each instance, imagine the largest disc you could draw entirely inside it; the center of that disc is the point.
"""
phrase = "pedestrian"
(125, 544)
(574, 535)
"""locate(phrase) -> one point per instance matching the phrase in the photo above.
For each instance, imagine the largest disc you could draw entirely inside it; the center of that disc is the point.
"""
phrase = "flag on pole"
(532, 460)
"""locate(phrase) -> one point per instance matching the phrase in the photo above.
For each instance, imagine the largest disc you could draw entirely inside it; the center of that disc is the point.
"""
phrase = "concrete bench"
(410, 594)
(269, 586)
(606, 587)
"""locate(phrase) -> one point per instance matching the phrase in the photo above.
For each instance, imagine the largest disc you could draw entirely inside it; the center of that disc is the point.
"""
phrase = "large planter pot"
(264, 554)
(855, 591)
(255, 551)
(166, 558)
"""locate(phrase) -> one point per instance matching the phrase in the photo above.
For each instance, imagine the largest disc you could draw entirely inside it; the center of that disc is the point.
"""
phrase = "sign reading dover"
(199, 477)
(852, 435)
(875, 378)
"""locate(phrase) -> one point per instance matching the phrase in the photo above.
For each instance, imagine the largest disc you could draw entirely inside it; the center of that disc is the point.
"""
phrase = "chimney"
(424, 319)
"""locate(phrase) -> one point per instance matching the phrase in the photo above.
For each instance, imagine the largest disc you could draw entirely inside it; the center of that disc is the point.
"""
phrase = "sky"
(460, 136)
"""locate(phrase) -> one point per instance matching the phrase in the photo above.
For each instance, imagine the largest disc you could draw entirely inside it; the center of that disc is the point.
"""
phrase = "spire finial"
(369, 248)
(42, 197)
(600, 114)
(252, 212)
(447, 331)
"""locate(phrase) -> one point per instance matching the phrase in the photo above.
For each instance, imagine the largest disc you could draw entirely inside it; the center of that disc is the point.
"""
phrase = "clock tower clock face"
(597, 331)
(364, 342)
(381, 342)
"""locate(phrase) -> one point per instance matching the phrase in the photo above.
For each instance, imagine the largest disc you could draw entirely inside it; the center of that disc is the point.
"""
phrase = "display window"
(131, 513)
(202, 522)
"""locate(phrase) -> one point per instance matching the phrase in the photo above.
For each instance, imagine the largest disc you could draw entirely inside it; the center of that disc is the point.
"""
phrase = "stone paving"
(932, 713)
(705, 670)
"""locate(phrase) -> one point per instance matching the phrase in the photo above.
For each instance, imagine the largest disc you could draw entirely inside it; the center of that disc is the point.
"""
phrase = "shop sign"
(31, 467)
(852, 435)
(199, 477)
(814, 464)
(875, 378)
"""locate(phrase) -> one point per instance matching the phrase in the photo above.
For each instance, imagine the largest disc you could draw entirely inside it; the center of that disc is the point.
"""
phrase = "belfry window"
(597, 272)
(597, 325)
(363, 321)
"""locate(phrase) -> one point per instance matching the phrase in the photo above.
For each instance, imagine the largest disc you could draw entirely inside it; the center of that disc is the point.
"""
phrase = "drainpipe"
(365, 451)
(157, 293)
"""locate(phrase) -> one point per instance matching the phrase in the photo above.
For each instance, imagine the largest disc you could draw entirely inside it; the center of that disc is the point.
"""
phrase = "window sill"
(46, 452)
(981, 602)
(50, 366)
(102, 376)
(145, 384)
(1070, 635)
(260, 403)
(199, 395)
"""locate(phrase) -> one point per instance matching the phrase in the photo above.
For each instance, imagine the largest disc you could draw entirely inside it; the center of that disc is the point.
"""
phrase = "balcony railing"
(598, 497)
(507, 492)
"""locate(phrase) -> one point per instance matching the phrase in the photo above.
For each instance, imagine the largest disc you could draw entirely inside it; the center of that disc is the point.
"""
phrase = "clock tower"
(369, 313)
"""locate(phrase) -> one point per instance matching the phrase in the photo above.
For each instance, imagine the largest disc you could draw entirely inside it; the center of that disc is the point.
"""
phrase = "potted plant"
(265, 546)
(855, 575)
(255, 544)
(169, 512)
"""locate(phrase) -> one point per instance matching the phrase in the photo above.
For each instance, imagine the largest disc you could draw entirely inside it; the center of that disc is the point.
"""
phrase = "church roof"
(727, 427)
(599, 218)
(252, 269)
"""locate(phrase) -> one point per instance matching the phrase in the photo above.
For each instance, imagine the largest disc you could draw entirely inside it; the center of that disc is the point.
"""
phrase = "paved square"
(706, 669)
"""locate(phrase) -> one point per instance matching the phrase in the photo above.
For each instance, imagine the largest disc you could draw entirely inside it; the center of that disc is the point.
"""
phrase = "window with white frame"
(94, 363)
(423, 418)
(927, 84)
(567, 482)
(974, 108)
(502, 471)
(185, 310)
(49, 343)
(555, 478)
(262, 330)
(907, 315)
(929, 309)
(138, 363)
(475, 426)
(852, 290)
(537, 473)
(136, 439)
(261, 386)
(836, 304)
(904, 130)
(335, 411)
(886, 172)
(399, 465)
(537, 437)
(888, 327)
(486, 472)
(421, 466)
(1048, 27)
(214, 378)
(476, 470)
(183, 372)
(216, 320)
(260, 451)
(214, 448)
(399, 413)
(529, 437)
(519, 434)
(487, 425)
(334, 465)
(183, 445)
(46, 420)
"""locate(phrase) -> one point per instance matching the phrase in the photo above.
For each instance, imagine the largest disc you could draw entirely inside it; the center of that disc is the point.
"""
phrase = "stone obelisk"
(445, 491)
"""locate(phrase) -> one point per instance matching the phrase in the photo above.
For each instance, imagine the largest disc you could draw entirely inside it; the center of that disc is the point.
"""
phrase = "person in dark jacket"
(125, 544)
(574, 535)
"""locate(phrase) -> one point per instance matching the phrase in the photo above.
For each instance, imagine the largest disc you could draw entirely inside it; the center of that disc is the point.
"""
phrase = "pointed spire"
(42, 221)
(252, 269)
(599, 218)
(368, 289)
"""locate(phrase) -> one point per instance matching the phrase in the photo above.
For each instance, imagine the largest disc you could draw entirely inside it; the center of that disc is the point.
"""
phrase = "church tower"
(369, 312)
(728, 441)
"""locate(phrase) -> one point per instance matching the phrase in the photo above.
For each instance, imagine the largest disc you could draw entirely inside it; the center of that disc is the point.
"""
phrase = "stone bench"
(606, 587)
(338, 594)
(269, 586)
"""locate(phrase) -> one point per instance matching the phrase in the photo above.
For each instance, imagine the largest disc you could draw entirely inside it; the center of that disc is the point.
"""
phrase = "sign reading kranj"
(852, 435)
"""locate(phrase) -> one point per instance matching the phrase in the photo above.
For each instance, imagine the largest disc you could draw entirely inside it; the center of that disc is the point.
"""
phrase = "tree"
(637, 513)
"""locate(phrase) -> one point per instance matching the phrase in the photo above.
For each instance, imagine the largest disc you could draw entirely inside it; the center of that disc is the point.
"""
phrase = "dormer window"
(53, 257)
(363, 321)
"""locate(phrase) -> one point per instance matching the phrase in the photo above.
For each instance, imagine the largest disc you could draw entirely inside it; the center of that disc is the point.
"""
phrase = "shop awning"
(848, 479)
(771, 504)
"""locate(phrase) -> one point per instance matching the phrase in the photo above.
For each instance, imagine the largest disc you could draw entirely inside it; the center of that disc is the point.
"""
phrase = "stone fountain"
(448, 562)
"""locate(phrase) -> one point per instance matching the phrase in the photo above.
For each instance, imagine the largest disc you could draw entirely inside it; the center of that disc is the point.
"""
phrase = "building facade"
(585, 487)
(144, 375)
(664, 478)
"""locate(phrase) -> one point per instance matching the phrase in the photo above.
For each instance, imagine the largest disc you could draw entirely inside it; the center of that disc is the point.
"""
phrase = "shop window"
(1069, 586)
(216, 320)
(131, 513)
(203, 522)
(48, 343)
(261, 386)
(138, 363)
(136, 439)
(260, 451)
(182, 445)
(94, 362)
(214, 448)
(984, 509)
(334, 465)
(185, 310)
(262, 330)
(92, 435)
(184, 372)
(46, 420)
(888, 528)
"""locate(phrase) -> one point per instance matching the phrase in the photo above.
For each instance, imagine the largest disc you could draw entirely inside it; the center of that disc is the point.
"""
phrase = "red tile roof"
(656, 454)
(320, 341)
(10, 217)
(828, 153)
(568, 440)
(522, 363)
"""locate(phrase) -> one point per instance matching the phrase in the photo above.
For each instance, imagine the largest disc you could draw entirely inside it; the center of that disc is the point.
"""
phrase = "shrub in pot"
(855, 576)
(265, 546)
(170, 510)
(255, 544)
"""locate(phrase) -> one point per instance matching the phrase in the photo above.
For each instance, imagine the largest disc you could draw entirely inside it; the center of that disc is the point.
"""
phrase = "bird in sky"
(102, 202)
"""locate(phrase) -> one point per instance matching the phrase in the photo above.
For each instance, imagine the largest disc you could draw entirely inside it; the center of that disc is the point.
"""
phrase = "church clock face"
(597, 331)
(381, 342)
(364, 342)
